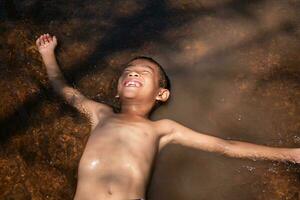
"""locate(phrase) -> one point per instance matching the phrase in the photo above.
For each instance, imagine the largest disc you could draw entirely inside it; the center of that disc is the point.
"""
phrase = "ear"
(163, 95)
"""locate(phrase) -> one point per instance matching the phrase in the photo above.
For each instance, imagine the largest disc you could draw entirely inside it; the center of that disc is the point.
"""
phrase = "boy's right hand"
(46, 44)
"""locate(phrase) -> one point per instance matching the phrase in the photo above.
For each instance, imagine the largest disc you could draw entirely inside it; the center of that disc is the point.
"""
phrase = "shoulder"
(103, 109)
(165, 126)
(164, 122)
(98, 113)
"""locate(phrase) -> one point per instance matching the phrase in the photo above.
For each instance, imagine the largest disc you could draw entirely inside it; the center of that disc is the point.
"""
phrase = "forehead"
(142, 63)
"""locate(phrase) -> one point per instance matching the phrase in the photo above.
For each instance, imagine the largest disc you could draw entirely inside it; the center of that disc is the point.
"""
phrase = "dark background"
(234, 67)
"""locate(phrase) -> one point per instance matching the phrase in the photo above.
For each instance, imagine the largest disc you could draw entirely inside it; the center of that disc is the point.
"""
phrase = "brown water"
(235, 71)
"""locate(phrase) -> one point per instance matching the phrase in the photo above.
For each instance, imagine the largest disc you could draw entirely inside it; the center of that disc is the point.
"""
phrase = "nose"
(133, 74)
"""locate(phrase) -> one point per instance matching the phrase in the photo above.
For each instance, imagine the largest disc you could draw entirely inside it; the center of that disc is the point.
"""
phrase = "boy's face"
(140, 81)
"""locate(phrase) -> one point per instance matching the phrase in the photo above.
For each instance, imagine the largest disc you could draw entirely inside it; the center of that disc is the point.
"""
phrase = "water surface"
(234, 67)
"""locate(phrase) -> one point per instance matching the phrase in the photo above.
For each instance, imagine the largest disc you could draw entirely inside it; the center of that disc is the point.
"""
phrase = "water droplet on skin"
(94, 164)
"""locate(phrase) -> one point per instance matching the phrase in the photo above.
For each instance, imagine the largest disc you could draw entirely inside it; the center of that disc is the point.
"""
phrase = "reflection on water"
(234, 68)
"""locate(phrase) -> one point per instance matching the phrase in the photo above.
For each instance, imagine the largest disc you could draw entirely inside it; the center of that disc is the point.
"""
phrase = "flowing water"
(234, 67)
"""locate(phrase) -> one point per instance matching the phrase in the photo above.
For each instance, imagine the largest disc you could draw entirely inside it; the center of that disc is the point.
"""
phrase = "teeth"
(132, 83)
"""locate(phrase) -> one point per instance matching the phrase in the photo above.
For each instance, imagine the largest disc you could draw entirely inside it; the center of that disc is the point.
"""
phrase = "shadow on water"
(42, 138)
(127, 33)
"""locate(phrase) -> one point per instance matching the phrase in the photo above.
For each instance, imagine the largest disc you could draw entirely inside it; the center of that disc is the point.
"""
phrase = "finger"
(49, 37)
(54, 39)
(45, 41)
(45, 38)
(42, 39)
(38, 42)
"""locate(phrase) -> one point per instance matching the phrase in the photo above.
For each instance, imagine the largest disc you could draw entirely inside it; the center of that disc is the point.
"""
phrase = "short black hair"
(164, 80)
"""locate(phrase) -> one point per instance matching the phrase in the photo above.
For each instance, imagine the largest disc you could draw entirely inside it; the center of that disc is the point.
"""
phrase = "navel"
(109, 191)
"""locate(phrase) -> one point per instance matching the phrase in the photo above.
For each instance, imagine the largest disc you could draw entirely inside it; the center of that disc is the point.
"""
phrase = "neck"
(136, 109)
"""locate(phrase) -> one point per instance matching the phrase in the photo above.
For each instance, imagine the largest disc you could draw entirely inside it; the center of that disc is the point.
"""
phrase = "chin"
(129, 95)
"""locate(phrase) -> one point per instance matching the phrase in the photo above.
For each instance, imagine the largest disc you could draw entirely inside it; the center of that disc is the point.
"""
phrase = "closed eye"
(146, 72)
(126, 71)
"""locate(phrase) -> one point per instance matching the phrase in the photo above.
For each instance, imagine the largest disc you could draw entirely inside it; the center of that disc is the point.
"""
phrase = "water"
(234, 66)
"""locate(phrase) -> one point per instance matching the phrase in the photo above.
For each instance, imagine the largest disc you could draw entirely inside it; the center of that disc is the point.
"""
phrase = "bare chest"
(120, 135)
(120, 146)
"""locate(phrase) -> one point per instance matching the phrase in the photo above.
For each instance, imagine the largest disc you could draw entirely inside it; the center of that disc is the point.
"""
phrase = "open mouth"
(132, 83)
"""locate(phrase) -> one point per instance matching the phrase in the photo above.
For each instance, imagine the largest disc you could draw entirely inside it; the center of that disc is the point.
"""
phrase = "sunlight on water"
(234, 67)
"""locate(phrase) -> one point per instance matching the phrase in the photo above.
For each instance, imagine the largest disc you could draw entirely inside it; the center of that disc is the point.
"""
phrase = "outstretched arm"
(46, 45)
(189, 138)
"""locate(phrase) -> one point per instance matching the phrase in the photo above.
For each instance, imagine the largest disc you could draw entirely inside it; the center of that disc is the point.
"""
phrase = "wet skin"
(117, 160)
(120, 151)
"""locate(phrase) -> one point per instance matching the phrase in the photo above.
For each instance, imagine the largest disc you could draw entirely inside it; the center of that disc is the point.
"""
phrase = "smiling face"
(140, 82)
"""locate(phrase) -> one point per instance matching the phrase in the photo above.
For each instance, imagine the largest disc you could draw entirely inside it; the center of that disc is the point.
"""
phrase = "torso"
(117, 160)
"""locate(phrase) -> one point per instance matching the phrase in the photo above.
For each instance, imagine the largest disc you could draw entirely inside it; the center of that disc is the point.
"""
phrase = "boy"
(118, 157)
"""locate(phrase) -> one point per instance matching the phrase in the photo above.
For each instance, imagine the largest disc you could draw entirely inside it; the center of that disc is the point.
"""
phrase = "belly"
(113, 168)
